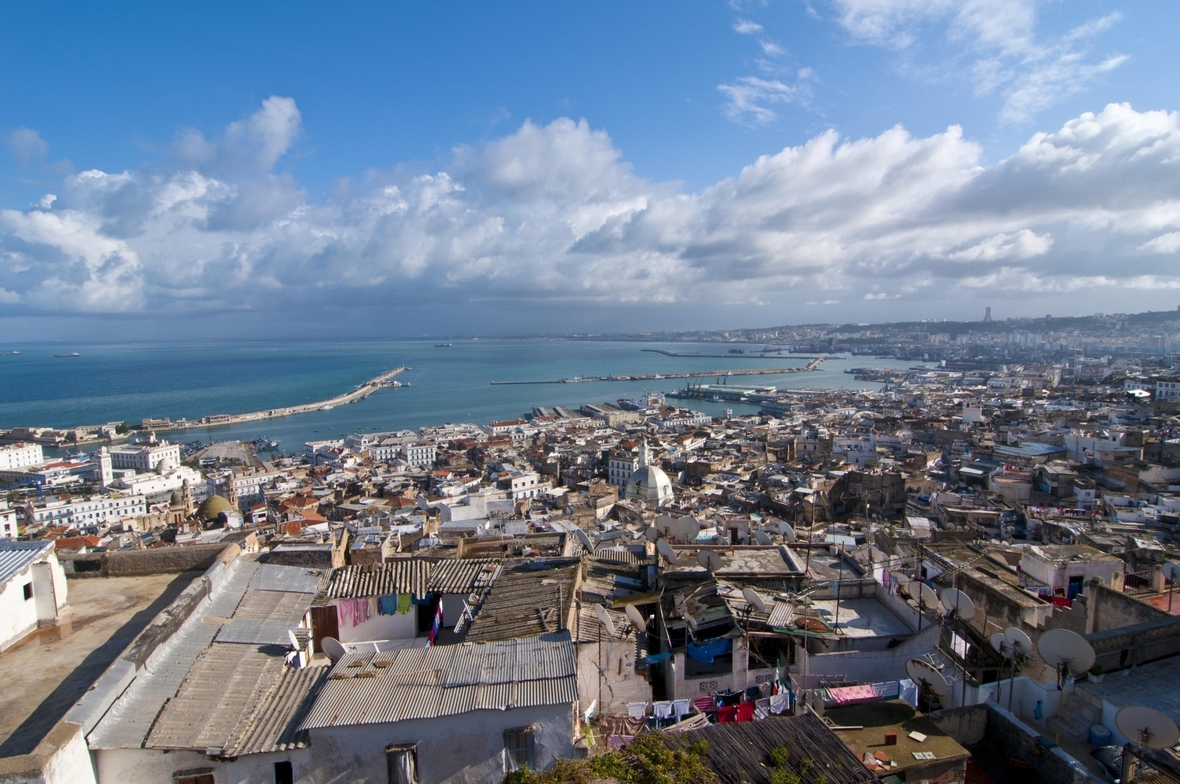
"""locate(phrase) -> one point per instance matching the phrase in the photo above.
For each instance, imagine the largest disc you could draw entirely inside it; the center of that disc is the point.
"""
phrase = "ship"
(73, 354)
(444, 345)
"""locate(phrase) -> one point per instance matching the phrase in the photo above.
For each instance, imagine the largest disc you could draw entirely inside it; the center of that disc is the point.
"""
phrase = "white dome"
(650, 484)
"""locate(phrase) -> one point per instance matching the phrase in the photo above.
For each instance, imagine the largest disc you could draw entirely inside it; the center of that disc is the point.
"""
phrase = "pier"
(222, 420)
(812, 365)
(751, 355)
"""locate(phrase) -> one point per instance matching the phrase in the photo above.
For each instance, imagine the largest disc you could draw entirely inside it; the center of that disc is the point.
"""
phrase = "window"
(195, 778)
(518, 749)
(28, 591)
(402, 763)
(283, 773)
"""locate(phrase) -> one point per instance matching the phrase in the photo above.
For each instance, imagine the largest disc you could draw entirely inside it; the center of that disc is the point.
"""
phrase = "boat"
(444, 345)
(73, 354)
(737, 351)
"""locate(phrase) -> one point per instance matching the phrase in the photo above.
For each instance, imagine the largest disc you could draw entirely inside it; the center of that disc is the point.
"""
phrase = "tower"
(186, 498)
(987, 315)
(105, 474)
(231, 492)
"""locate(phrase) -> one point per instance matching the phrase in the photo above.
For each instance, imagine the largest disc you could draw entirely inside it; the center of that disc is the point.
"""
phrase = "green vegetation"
(646, 760)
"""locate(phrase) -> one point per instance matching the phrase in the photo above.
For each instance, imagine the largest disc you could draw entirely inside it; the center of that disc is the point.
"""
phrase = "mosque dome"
(650, 484)
(213, 506)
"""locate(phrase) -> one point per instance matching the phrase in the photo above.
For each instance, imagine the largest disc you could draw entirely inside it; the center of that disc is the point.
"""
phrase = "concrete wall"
(966, 725)
(1007, 737)
(869, 666)
(619, 683)
(1110, 609)
(18, 616)
(60, 758)
(130, 766)
(137, 563)
(382, 627)
(465, 748)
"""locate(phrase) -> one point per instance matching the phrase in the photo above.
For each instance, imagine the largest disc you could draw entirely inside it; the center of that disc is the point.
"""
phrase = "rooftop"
(875, 719)
(47, 672)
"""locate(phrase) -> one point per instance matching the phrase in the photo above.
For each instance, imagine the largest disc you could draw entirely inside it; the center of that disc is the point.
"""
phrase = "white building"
(1167, 388)
(32, 589)
(20, 455)
(157, 484)
(145, 458)
(8, 527)
(96, 510)
(620, 466)
(419, 453)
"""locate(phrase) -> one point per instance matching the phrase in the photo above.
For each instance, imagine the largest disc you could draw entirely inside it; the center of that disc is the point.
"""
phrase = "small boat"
(443, 345)
(73, 354)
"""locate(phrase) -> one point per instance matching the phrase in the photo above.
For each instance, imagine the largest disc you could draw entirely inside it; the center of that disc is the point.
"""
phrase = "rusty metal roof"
(463, 576)
(375, 688)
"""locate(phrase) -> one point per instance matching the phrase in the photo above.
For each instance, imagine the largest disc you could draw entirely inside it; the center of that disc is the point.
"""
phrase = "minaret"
(644, 455)
(231, 492)
(186, 498)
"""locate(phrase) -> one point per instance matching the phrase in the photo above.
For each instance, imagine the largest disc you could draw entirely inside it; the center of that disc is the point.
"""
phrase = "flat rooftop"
(874, 719)
(862, 618)
(1156, 685)
(48, 671)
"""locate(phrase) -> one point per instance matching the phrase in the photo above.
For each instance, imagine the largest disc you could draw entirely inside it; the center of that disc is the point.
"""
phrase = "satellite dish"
(1065, 650)
(902, 581)
(813, 625)
(753, 599)
(787, 530)
(292, 639)
(665, 524)
(930, 679)
(584, 538)
(929, 597)
(332, 649)
(604, 619)
(1147, 727)
(687, 529)
(762, 538)
(875, 554)
(709, 559)
(665, 550)
(1018, 642)
(954, 600)
(637, 620)
(998, 642)
(651, 534)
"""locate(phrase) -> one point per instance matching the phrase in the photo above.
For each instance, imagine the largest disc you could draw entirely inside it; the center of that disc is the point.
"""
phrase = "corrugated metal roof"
(273, 606)
(274, 726)
(15, 556)
(403, 575)
(223, 687)
(463, 576)
(446, 681)
(293, 579)
(256, 632)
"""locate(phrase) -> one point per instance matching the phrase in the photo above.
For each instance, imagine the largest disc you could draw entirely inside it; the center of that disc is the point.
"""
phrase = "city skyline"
(459, 171)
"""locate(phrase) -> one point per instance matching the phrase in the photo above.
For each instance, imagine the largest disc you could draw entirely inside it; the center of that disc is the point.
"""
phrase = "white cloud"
(255, 143)
(26, 145)
(553, 213)
(1165, 243)
(746, 27)
(751, 98)
(998, 41)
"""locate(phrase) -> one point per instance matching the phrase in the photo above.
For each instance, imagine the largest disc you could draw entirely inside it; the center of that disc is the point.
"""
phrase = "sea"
(128, 382)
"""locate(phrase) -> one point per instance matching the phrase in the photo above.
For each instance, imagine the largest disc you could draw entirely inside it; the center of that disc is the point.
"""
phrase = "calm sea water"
(128, 382)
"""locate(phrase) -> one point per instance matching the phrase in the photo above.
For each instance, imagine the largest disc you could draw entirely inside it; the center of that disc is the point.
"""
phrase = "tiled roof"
(416, 683)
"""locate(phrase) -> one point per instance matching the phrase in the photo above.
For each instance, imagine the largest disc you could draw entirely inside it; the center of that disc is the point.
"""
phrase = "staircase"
(1080, 710)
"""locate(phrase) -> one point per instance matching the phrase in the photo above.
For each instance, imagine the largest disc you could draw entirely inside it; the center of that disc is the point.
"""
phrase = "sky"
(296, 170)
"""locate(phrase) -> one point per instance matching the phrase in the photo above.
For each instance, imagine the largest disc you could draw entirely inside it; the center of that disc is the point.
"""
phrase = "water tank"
(1099, 736)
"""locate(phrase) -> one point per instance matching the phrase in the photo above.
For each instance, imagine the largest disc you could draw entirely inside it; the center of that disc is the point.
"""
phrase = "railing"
(1137, 583)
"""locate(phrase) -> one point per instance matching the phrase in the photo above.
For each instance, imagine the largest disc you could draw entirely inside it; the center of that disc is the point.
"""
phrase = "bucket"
(1099, 735)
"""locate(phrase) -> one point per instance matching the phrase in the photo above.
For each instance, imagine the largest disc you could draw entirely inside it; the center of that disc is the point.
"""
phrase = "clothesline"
(353, 612)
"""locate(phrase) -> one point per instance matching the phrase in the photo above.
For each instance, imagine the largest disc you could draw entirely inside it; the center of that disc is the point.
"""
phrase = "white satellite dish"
(1065, 651)
(604, 619)
(584, 538)
(332, 648)
(665, 524)
(687, 529)
(999, 643)
(787, 530)
(651, 534)
(762, 538)
(1018, 642)
(954, 600)
(928, 678)
(636, 618)
(709, 559)
(1147, 727)
(754, 599)
(292, 639)
(665, 550)
(875, 554)
(923, 594)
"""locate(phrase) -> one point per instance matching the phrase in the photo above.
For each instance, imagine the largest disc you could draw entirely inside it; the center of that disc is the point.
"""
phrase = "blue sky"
(487, 168)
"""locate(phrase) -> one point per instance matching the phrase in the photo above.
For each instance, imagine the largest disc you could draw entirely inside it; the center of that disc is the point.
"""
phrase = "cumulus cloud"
(253, 144)
(1000, 48)
(554, 214)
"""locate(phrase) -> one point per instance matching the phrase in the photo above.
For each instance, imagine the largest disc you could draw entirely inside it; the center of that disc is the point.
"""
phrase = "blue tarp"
(656, 658)
(706, 651)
